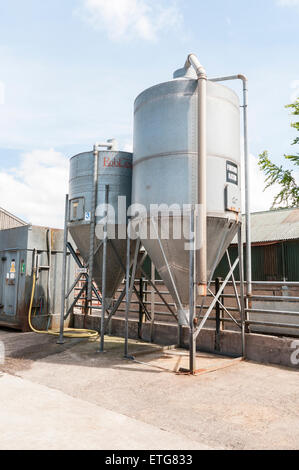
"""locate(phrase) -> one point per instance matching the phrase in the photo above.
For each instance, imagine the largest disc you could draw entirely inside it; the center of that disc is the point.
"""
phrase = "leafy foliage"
(288, 195)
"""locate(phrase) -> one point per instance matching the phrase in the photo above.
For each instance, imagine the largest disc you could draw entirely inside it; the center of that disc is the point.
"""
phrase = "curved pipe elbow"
(193, 61)
(243, 78)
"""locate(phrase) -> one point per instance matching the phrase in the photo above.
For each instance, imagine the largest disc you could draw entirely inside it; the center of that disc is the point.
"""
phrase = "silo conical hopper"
(114, 170)
(165, 173)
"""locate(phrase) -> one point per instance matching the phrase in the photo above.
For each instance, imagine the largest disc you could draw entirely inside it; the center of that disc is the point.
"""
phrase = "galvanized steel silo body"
(115, 171)
(165, 166)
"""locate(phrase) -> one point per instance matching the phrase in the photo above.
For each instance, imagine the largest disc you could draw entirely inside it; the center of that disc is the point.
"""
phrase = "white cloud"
(35, 190)
(287, 3)
(127, 19)
(2, 93)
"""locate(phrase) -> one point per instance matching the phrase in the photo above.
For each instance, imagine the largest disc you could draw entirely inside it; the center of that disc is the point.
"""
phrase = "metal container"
(114, 172)
(19, 247)
(165, 171)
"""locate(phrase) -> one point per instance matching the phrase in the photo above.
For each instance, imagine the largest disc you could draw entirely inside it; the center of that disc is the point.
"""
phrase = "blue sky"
(70, 71)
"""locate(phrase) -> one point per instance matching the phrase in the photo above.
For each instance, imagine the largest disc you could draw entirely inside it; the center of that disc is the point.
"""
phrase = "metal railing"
(254, 314)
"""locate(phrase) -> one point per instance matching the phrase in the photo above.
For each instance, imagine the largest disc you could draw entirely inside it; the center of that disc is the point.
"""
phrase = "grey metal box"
(17, 247)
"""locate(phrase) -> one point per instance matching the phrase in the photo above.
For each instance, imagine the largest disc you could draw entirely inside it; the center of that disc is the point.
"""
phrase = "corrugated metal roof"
(8, 220)
(275, 225)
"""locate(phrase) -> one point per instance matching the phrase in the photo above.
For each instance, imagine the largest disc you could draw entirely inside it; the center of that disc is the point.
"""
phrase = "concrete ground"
(70, 397)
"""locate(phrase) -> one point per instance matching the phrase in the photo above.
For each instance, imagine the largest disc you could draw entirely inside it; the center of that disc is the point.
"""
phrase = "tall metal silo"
(165, 170)
(187, 158)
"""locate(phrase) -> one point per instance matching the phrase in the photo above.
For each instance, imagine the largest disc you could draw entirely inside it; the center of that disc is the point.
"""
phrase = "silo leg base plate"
(188, 372)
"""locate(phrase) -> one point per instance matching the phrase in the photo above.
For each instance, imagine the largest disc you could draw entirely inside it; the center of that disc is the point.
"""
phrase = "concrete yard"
(71, 397)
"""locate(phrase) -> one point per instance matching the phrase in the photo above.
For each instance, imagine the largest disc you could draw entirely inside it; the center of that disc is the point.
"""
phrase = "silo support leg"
(115, 308)
(104, 270)
(129, 290)
(63, 281)
(192, 297)
(216, 299)
(159, 293)
(153, 280)
(242, 298)
(83, 267)
(140, 300)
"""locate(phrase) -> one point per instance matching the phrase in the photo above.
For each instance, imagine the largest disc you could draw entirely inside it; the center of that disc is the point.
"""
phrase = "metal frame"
(195, 258)
(244, 80)
(86, 271)
(194, 329)
(198, 258)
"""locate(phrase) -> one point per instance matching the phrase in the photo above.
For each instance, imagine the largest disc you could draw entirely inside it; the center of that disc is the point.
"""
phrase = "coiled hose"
(68, 332)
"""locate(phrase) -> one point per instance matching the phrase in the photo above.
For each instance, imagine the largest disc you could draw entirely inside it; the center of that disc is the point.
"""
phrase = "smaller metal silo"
(96, 217)
(89, 191)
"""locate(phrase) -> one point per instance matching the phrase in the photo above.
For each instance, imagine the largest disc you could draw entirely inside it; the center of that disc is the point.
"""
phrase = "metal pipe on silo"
(192, 297)
(110, 145)
(247, 186)
(247, 175)
(104, 269)
(93, 220)
(201, 258)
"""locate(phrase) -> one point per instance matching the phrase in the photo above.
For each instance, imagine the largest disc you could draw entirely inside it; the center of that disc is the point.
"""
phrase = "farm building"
(8, 220)
(275, 246)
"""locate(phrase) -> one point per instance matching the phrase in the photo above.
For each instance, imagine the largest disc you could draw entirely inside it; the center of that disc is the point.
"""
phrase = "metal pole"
(140, 300)
(192, 341)
(242, 301)
(115, 308)
(128, 262)
(129, 288)
(141, 312)
(201, 225)
(93, 220)
(218, 324)
(81, 266)
(62, 308)
(247, 175)
(153, 279)
(216, 299)
(104, 269)
(201, 222)
(247, 188)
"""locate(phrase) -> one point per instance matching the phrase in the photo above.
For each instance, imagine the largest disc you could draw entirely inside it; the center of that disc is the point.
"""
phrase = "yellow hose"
(68, 332)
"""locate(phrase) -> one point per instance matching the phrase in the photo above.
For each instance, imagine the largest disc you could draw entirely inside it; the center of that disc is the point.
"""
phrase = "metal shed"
(275, 246)
(8, 220)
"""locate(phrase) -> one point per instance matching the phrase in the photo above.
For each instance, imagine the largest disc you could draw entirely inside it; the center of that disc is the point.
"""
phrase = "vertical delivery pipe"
(126, 354)
(93, 220)
(110, 145)
(192, 298)
(247, 175)
(247, 187)
(201, 223)
(104, 270)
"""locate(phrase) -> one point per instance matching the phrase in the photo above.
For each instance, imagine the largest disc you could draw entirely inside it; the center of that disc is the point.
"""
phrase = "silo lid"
(185, 73)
